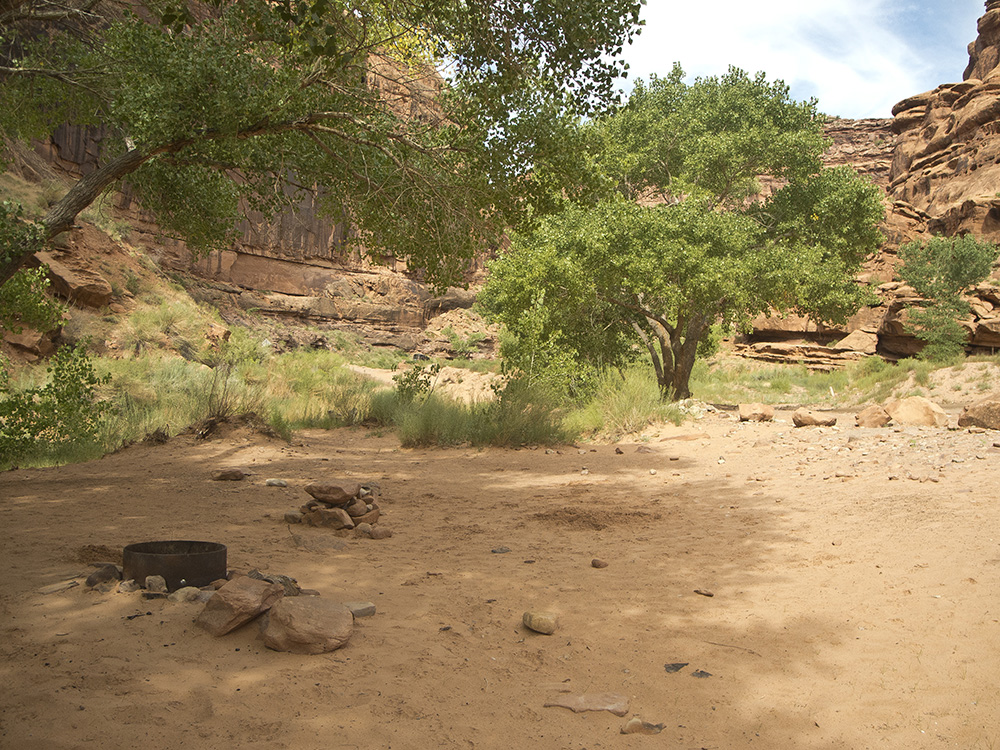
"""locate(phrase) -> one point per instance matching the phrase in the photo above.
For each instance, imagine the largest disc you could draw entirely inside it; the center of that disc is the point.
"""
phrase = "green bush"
(60, 418)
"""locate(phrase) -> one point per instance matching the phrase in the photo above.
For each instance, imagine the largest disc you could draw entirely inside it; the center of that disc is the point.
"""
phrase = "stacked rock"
(339, 505)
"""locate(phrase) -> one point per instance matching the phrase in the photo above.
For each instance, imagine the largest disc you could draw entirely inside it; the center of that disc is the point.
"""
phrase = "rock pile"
(341, 505)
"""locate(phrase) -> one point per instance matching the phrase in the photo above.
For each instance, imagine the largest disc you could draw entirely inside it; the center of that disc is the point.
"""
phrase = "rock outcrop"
(943, 153)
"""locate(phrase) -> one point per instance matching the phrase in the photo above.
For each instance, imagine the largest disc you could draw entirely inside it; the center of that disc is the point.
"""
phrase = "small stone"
(186, 594)
(584, 471)
(619, 451)
(308, 592)
(644, 449)
(104, 574)
(361, 609)
(371, 517)
(294, 516)
(229, 475)
(635, 725)
(703, 592)
(156, 584)
(363, 529)
(275, 483)
(652, 472)
(598, 563)
(540, 622)
(380, 532)
(128, 587)
(500, 550)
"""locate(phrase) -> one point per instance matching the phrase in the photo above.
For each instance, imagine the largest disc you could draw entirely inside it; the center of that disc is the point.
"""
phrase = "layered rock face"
(947, 159)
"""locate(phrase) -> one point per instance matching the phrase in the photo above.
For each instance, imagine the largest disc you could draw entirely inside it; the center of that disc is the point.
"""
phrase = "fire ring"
(181, 563)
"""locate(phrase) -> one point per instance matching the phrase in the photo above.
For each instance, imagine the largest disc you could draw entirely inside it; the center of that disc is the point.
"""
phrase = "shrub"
(60, 416)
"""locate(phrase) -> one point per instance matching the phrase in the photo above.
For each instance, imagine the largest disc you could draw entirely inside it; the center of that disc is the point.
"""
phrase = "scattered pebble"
(598, 563)
(275, 483)
(500, 550)
(703, 592)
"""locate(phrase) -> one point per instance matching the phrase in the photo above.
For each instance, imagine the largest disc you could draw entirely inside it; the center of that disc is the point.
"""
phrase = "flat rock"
(917, 411)
(331, 518)
(275, 483)
(334, 493)
(307, 626)
(635, 725)
(613, 702)
(380, 532)
(756, 413)
(55, 588)
(806, 418)
(357, 508)
(104, 574)
(541, 622)
(229, 475)
(983, 414)
(361, 609)
(236, 603)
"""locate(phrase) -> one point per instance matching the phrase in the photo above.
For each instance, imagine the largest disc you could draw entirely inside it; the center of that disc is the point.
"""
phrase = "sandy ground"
(856, 581)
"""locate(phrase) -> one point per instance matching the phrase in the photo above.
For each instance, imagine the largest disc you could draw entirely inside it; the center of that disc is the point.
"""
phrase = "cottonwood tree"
(685, 240)
(431, 124)
(941, 270)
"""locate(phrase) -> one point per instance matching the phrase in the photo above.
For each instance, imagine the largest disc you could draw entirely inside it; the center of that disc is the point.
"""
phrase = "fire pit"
(181, 563)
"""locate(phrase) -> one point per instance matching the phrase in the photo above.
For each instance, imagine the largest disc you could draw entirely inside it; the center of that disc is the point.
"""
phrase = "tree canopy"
(431, 125)
(687, 239)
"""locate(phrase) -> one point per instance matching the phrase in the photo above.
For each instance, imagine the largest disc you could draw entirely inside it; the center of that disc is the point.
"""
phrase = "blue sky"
(858, 57)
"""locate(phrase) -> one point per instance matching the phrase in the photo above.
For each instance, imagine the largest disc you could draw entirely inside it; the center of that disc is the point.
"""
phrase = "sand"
(855, 578)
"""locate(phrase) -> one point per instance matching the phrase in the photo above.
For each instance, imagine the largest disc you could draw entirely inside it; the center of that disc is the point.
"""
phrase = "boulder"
(756, 413)
(236, 603)
(862, 341)
(80, 286)
(805, 418)
(983, 414)
(334, 493)
(917, 411)
(308, 625)
(873, 416)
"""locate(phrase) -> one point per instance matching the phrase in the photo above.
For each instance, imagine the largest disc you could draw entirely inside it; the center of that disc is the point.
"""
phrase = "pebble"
(652, 472)
(156, 584)
(128, 587)
(584, 471)
(275, 483)
(540, 622)
(363, 529)
(500, 550)
(380, 532)
(294, 516)
(598, 563)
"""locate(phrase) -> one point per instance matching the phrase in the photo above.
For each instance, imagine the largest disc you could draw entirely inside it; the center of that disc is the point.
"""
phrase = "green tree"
(685, 242)
(218, 106)
(941, 270)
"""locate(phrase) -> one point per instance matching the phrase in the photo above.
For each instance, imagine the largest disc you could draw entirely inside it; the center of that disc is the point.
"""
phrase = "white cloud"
(853, 55)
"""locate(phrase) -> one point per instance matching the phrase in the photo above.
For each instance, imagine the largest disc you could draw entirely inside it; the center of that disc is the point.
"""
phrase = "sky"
(857, 57)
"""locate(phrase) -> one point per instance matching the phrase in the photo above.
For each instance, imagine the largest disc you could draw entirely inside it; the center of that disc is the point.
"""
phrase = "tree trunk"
(62, 215)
